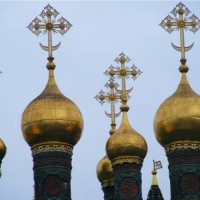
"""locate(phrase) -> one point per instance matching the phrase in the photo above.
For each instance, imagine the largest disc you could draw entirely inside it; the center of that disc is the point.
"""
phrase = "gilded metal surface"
(154, 179)
(126, 142)
(195, 145)
(105, 172)
(123, 71)
(51, 146)
(51, 117)
(127, 159)
(178, 117)
(2, 149)
(49, 24)
(107, 184)
(181, 21)
(111, 97)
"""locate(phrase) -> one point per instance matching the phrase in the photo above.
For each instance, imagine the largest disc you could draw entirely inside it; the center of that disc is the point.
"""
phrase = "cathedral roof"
(105, 172)
(154, 192)
(177, 120)
(126, 144)
(178, 117)
(52, 117)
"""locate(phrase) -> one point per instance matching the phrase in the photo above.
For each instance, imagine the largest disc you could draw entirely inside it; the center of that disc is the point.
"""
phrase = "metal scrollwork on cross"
(111, 97)
(48, 24)
(123, 72)
(180, 21)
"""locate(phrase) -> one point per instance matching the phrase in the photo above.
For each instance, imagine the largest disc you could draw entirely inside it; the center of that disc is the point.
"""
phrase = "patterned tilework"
(184, 170)
(127, 181)
(52, 175)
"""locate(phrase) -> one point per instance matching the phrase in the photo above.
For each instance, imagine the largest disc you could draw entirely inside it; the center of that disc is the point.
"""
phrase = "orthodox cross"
(123, 72)
(49, 24)
(181, 21)
(111, 97)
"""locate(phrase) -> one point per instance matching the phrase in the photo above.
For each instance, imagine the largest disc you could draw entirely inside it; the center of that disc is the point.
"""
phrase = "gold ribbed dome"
(104, 171)
(178, 117)
(2, 150)
(51, 117)
(126, 142)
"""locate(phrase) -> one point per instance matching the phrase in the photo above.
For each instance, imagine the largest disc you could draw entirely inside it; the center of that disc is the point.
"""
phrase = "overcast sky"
(100, 32)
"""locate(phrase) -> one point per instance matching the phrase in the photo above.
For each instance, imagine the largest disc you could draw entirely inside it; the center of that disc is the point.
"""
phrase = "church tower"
(104, 167)
(126, 148)
(155, 192)
(177, 121)
(51, 123)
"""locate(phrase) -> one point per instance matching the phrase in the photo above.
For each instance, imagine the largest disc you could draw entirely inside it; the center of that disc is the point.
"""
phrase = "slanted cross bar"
(123, 72)
(49, 24)
(112, 98)
(180, 21)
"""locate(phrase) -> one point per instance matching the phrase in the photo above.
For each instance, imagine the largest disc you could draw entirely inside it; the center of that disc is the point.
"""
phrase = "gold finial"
(49, 24)
(123, 72)
(181, 21)
(112, 98)
(156, 165)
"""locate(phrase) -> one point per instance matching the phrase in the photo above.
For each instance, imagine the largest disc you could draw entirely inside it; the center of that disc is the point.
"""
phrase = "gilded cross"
(181, 21)
(111, 97)
(48, 24)
(123, 72)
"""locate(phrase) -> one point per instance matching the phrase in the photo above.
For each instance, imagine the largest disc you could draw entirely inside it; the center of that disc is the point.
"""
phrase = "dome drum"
(127, 159)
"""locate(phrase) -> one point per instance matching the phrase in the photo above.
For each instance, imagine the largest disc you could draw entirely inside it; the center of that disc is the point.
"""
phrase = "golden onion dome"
(51, 117)
(105, 172)
(178, 117)
(2, 150)
(126, 142)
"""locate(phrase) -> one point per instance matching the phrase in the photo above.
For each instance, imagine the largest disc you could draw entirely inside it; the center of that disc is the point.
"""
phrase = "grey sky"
(100, 32)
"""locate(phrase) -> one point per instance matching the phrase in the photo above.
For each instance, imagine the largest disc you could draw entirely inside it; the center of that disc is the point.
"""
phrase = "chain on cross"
(111, 97)
(48, 24)
(123, 72)
(181, 21)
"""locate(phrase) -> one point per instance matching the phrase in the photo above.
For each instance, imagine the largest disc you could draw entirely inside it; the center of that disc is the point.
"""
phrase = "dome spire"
(177, 120)
(126, 148)
(154, 192)
(184, 101)
(156, 165)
